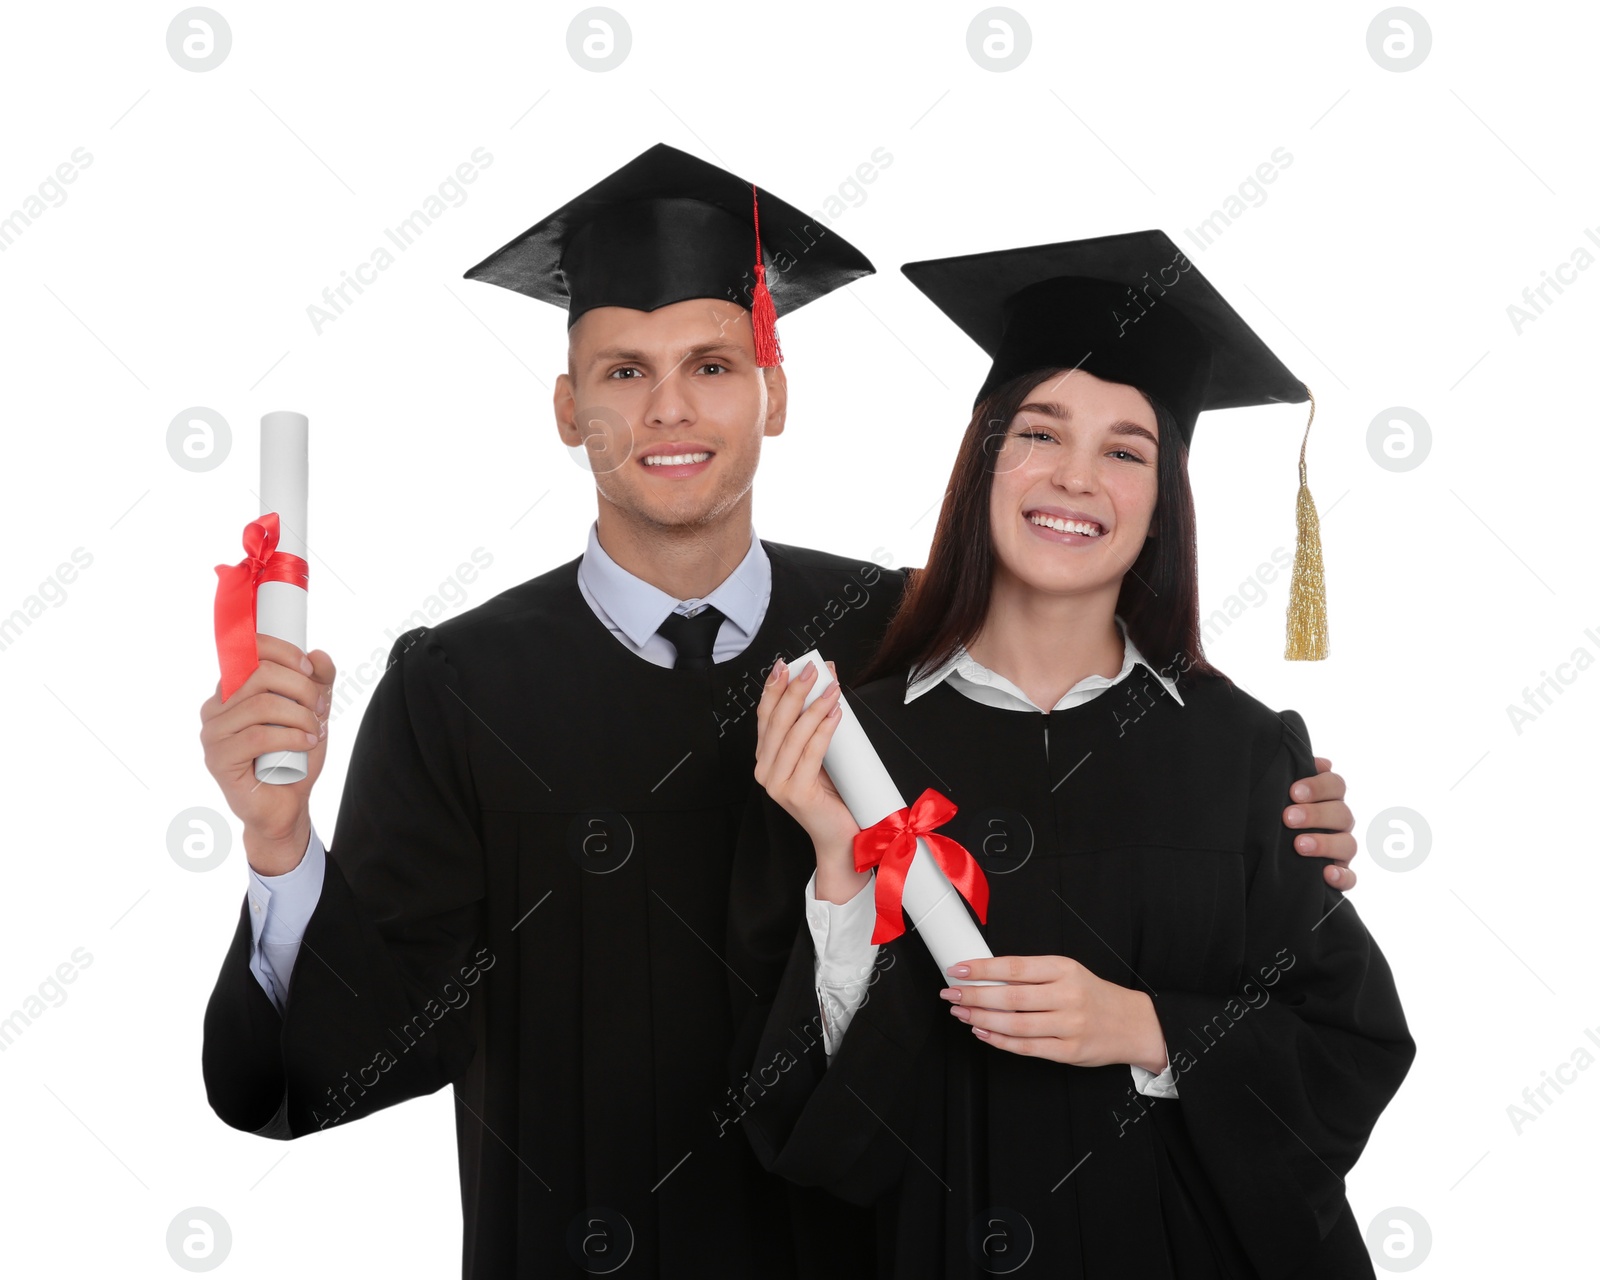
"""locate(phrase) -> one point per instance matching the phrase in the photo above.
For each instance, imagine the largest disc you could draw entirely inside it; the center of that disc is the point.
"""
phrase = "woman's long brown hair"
(946, 602)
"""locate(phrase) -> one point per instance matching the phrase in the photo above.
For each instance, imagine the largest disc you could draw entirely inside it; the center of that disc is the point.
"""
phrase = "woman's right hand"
(791, 740)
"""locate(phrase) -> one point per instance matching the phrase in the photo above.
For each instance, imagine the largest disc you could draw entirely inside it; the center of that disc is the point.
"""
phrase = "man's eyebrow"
(720, 347)
(617, 353)
(629, 355)
(1050, 409)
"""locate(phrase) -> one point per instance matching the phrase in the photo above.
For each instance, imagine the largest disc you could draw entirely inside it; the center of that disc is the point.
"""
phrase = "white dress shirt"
(633, 610)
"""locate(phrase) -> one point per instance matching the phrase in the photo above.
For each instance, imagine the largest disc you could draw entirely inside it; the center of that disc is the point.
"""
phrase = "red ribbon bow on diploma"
(890, 843)
(236, 598)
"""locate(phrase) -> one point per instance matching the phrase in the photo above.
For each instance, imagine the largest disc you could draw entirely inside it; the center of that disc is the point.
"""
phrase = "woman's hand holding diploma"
(1052, 1007)
(791, 740)
(1046, 1006)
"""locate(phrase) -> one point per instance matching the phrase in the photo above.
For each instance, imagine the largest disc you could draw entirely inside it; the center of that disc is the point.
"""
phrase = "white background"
(217, 206)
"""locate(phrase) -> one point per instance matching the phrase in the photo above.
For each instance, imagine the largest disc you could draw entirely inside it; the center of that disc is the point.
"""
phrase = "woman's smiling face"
(1074, 488)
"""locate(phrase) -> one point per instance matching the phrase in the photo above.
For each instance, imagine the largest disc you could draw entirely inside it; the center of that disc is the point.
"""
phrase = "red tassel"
(764, 320)
(763, 315)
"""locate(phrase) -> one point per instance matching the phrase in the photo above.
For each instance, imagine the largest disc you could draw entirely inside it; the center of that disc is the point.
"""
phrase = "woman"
(1195, 1035)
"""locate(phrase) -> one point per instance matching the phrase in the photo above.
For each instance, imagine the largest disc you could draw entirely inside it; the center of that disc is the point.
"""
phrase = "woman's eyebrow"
(1050, 409)
(1126, 428)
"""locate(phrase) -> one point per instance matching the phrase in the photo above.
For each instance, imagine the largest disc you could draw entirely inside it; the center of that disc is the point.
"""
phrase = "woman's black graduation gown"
(1145, 840)
(527, 897)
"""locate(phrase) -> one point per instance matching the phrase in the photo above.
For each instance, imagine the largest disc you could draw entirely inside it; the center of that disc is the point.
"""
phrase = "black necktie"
(694, 637)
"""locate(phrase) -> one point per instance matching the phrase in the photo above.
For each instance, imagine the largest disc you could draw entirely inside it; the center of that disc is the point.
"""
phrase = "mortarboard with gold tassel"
(1132, 308)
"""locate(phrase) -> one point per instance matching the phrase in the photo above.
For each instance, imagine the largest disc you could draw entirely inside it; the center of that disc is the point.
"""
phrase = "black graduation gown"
(1144, 840)
(526, 898)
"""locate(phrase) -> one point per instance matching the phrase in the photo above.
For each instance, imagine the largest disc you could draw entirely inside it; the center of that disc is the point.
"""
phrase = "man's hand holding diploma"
(282, 706)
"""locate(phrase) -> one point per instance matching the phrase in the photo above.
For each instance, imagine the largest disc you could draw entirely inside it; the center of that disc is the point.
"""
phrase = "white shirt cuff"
(1164, 1085)
(280, 909)
(841, 935)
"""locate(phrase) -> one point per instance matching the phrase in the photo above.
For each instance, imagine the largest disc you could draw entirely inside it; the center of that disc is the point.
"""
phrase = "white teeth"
(674, 459)
(1066, 526)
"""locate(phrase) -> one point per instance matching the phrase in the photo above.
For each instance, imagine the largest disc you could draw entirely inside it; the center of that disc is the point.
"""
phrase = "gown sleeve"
(814, 1122)
(1281, 1081)
(375, 1008)
(772, 861)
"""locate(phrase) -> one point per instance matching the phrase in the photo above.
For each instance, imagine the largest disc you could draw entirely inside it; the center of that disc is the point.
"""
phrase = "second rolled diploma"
(929, 901)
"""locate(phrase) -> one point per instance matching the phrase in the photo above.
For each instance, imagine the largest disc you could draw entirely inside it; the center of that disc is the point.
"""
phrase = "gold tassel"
(1307, 638)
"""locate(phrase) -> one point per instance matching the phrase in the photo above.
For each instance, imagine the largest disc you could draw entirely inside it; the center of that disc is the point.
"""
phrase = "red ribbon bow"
(890, 843)
(236, 598)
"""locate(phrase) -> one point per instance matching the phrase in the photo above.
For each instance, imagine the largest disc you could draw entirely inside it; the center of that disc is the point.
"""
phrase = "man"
(527, 893)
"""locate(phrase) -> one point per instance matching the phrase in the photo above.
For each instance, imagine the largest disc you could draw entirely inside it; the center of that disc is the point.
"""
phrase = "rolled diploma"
(281, 606)
(929, 901)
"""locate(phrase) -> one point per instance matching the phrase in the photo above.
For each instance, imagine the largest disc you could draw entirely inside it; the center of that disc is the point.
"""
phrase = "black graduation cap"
(1128, 308)
(1132, 308)
(668, 226)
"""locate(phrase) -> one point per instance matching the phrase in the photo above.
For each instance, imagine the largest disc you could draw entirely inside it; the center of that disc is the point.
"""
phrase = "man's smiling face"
(670, 407)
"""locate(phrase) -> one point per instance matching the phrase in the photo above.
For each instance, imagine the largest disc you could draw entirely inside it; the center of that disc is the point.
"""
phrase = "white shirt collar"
(961, 666)
(639, 608)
